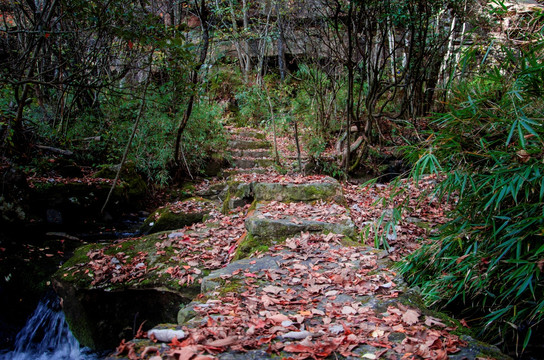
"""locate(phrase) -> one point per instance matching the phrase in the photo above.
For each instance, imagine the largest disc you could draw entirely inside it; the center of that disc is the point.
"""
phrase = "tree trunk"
(247, 49)
(350, 87)
(281, 44)
(203, 15)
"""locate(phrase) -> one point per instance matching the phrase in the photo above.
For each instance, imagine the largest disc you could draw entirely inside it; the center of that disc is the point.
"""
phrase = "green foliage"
(252, 105)
(491, 254)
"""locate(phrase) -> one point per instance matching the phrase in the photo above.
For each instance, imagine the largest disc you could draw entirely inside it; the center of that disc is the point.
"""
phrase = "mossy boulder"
(177, 215)
(250, 133)
(107, 290)
(251, 244)
(236, 194)
(214, 164)
(259, 153)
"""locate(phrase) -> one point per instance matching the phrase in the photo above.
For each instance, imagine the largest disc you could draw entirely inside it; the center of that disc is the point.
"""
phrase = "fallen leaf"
(223, 342)
(273, 289)
(279, 318)
(297, 335)
(348, 310)
(432, 321)
(410, 317)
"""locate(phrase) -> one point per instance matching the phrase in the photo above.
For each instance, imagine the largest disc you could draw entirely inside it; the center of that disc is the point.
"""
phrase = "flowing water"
(46, 336)
(28, 258)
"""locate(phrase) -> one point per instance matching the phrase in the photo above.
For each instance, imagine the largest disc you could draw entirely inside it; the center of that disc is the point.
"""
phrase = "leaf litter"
(317, 299)
(310, 303)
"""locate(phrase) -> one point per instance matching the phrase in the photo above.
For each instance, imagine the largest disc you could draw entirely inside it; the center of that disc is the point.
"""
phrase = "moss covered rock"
(249, 144)
(327, 189)
(177, 215)
(248, 163)
(109, 289)
(236, 194)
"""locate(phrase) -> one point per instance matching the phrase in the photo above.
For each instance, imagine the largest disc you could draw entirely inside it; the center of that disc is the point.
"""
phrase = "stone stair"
(250, 151)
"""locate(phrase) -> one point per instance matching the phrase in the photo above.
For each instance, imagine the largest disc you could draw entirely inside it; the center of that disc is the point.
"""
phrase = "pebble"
(166, 335)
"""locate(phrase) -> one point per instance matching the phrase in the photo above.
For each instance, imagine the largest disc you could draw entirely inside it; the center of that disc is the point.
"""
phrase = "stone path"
(278, 274)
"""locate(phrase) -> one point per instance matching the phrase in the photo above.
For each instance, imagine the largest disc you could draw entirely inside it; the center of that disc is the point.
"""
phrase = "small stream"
(46, 336)
(28, 258)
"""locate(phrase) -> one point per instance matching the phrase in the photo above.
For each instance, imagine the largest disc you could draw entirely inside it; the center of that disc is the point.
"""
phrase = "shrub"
(490, 256)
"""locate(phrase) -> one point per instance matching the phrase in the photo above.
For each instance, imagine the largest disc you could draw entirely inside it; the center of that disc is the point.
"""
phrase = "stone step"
(266, 224)
(235, 171)
(249, 144)
(247, 133)
(326, 189)
(250, 163)
(251, 153)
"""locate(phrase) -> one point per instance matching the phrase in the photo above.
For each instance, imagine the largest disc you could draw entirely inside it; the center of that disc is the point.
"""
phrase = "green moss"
(250, 245)
(485, 350)
(72, 271)
(230, 286)
(164, 219)
(348, 241)
(235, 190)
(253, 206)
(225, 208)
(132, 185)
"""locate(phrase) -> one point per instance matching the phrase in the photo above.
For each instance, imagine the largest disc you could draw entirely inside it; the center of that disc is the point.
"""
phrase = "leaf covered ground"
(310, 295)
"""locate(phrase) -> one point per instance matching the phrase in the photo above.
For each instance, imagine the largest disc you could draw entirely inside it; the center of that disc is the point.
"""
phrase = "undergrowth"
(489, 146)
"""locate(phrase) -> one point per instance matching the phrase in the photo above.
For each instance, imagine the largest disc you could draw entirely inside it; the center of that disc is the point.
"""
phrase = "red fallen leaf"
(265, 340)
(149, 350)
(140, 333)
(250, 275)
(175, 343)
(123, 346)
(130, 44)
(186, 353)
(441, 355)
(223, 342)
(258, 323)
(461, 258)
(347, 330)
(232, 248)
(410, 317)
(297, 348)
(279, 318)
(464, 323)
(127, 348)
(210, 322)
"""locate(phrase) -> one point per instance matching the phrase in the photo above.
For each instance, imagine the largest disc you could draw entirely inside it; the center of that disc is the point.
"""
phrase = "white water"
(46, 336)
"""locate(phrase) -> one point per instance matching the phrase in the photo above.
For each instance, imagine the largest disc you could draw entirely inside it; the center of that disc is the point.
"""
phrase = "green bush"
(489, 146)
(252, 106)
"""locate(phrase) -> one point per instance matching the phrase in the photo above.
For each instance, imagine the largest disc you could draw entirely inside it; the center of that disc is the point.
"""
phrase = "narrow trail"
(280, 273)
